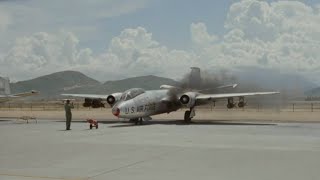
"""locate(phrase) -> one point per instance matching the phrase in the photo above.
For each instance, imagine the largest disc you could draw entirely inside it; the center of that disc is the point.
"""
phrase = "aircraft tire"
(136, 121)
(187, 116)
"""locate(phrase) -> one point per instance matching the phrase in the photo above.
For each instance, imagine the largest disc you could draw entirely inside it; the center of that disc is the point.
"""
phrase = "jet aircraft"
(138, 104)
(5, 94)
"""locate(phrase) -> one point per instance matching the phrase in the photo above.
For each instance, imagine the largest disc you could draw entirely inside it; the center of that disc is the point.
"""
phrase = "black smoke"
(206, 80)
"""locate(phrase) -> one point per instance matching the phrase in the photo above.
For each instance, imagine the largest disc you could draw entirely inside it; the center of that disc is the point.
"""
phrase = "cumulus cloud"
(134, 52)
(42, 53)
(82, 17)
(200, 36)
(283, 35)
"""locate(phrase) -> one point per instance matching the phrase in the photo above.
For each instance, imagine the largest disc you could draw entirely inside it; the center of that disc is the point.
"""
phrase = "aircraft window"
(123, 97)
(128, 97)
(131, 93)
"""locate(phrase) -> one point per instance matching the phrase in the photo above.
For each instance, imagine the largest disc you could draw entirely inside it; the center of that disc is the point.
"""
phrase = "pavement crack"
(137, 162)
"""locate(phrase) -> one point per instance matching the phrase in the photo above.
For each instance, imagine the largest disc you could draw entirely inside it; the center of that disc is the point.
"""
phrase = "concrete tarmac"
(160, 150)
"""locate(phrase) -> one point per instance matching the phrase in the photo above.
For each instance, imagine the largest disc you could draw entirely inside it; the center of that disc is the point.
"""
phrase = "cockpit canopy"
(131, 93)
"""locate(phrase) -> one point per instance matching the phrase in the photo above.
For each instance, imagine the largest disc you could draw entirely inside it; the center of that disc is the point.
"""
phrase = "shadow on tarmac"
(197, 122)
(120, 124)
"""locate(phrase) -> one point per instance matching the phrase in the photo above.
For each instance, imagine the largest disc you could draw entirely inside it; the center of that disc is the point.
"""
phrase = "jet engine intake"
(184, 99)
(113, 98)
(188, 99)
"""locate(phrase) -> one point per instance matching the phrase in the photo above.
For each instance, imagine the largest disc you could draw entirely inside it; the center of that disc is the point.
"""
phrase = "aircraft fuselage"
(147, 104)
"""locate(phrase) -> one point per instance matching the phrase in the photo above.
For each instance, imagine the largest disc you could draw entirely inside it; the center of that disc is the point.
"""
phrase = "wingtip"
(35, 92)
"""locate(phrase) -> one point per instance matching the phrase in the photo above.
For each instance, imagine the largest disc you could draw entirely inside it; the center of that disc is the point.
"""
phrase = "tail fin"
(195, 78)
(4, 86)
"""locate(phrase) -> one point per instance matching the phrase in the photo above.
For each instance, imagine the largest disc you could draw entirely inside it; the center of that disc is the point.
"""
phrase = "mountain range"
(52, 85)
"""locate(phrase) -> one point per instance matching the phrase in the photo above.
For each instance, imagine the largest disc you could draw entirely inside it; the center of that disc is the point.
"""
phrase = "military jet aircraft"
(5, 94)
(138, 104)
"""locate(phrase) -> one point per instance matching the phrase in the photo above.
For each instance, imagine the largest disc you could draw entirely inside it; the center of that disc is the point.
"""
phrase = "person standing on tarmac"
(67, 107)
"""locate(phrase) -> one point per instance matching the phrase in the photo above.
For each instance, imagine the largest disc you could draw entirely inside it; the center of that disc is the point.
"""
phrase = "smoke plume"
(207, 81)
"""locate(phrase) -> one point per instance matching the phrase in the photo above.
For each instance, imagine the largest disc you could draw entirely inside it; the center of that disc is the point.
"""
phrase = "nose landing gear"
(137, 121)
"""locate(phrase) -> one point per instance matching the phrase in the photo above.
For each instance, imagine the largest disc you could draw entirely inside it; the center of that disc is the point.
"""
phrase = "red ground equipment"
(93, 123)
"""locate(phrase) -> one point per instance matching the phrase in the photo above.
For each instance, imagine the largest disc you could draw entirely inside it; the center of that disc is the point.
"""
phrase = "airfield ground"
(218, 145)
(201, 114)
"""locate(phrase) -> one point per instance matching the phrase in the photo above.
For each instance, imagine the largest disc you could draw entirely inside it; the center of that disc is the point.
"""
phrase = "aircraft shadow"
(196, 122)
(120, 124)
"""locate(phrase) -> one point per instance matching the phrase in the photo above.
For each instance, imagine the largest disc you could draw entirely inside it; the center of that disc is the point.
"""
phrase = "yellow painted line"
(40, 177)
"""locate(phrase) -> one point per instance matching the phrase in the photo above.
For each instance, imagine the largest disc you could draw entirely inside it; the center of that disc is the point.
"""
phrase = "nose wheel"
(137, 121)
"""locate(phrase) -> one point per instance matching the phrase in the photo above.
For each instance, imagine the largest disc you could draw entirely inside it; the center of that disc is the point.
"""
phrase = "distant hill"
(146, 82)
(249, 79)
(52, 85)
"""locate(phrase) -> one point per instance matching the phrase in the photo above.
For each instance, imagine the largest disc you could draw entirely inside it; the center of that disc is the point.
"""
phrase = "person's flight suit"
(67, 108)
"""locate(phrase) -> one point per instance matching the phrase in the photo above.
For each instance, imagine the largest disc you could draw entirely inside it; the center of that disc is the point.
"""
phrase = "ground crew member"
(67, 108)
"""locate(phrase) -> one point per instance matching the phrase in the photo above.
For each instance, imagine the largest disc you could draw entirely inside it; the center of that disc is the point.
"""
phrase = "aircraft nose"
(116, 111)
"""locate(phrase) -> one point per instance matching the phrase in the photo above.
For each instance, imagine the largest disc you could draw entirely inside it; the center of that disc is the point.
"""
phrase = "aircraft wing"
(230, 95)
(19, 95)
(24, 94)
(94, 96)
(4, 98)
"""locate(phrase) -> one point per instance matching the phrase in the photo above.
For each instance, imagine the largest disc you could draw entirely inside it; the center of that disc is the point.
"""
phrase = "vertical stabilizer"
(4, 86)
(195, 78)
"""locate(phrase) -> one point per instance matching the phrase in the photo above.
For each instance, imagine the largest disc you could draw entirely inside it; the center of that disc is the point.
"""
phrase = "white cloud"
(200, 35)
(136, 53)
(81, 17)
(42, 53)
(284, 35)
(132, 53)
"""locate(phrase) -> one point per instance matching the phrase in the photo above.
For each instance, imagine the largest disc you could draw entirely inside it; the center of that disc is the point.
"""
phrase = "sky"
(114, 39)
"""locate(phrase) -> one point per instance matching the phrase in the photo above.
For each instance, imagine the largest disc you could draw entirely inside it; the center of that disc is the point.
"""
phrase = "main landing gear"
(137, 121)
(188, 115)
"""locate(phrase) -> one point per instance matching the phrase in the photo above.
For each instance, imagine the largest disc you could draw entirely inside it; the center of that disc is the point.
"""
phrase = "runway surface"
(160, 150)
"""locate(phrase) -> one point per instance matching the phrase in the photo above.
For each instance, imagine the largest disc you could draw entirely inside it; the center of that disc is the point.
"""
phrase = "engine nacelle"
(87, 102)
(93, 102)
(188, 99)
(113, 98)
